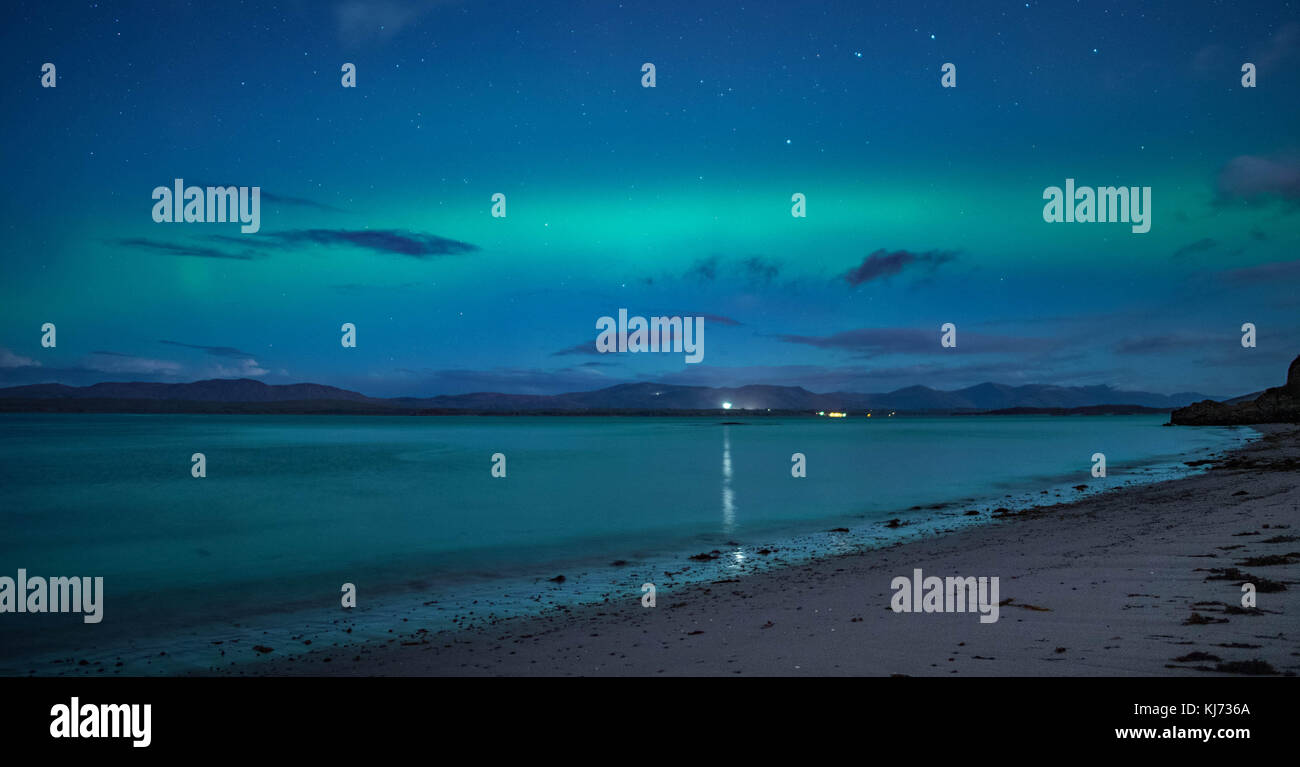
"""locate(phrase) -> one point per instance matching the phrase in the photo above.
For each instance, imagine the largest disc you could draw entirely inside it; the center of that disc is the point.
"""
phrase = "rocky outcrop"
(1277, 405)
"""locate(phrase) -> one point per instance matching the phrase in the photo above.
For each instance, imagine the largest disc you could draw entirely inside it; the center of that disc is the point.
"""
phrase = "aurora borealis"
(924, 204)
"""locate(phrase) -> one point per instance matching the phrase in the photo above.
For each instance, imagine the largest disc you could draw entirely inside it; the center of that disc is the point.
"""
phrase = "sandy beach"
(1144, 581)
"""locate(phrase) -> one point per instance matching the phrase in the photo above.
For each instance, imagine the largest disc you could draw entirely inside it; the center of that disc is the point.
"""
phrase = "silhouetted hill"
(1243, 398)
(1281, 404)
(621, 398)
(211, 390)
(1087, 410)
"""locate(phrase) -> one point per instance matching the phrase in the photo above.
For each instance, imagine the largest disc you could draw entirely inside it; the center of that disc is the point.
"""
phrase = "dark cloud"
(103, 365)
(753, 271)
(875, 341)
(1059, 369)
(9, 359)
(216, 351)
(665, 339)
(181, 249)
(401, 242)
(882, 264)
(759, 269)
(281, 199)
(118, 363)
(1251, 177)
(704, 269)
(1280, 272)
(404, 243)
(1169, 342)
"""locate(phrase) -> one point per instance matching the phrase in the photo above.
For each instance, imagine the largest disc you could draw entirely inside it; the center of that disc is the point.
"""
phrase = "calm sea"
(407, 510)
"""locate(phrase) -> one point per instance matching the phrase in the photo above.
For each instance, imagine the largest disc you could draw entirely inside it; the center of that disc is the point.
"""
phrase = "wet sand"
(1118, 584)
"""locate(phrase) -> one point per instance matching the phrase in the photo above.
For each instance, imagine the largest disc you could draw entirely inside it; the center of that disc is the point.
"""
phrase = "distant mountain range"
(246, 395)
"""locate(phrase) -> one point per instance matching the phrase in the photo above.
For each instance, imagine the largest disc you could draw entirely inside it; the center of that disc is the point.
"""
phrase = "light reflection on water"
(728, 494)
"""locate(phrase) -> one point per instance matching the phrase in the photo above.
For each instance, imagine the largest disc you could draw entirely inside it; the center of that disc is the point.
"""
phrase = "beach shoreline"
(1111, 585)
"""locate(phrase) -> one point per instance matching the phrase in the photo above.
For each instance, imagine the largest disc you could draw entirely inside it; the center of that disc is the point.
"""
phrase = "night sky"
(924, 204)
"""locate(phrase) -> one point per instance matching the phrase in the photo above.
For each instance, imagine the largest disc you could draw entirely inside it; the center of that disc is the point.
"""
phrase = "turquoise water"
(407, 509)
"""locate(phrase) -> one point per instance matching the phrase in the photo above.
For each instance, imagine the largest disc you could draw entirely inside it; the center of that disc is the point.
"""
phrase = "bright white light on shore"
(726, 406)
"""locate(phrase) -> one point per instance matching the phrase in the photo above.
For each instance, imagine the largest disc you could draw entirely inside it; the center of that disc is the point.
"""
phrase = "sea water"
(408, 511)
